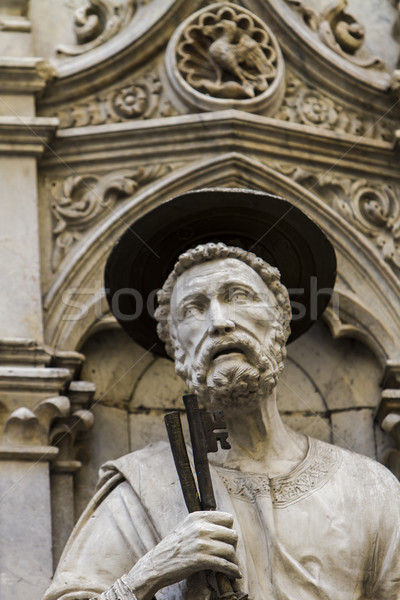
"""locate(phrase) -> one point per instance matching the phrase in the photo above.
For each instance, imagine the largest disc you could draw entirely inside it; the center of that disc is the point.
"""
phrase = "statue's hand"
(203, 541)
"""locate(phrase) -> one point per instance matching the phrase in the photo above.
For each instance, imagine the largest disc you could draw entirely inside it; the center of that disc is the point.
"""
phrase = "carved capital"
(388, 417)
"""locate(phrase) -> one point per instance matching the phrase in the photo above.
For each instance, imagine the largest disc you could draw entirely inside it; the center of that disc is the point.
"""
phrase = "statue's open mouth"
(226, 351)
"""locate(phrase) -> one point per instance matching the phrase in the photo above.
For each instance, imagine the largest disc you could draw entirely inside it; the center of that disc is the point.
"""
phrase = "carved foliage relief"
(82, 201)
(139, 98)
(224, 51)
(340, 31)
(97, 21)
(373, 209)
(309, 106)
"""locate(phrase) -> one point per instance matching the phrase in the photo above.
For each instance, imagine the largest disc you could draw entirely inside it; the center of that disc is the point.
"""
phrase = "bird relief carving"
(227, 52)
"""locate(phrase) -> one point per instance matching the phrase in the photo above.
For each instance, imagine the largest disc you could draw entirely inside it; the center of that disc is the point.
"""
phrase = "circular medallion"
(224, 56)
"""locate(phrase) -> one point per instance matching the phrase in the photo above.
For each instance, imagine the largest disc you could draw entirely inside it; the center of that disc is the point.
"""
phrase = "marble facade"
(101, 119)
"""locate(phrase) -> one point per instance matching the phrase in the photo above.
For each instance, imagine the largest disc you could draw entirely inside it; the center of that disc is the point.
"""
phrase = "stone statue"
(297, 518)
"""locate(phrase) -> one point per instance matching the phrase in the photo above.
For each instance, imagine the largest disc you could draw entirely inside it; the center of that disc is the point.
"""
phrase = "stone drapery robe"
(329, 530)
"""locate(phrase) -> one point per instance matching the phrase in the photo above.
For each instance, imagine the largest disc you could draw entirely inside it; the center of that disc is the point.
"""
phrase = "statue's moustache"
(240, 341)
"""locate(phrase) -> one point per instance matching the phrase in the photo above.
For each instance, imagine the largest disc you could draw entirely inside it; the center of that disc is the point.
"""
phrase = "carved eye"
(240, 296)
(191, 310)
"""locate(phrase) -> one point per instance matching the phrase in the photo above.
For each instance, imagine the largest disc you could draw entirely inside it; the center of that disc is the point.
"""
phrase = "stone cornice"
(33, 379)
(23, 352)
(29, 453)
(24, 75)
(25, 135)
(188, 137)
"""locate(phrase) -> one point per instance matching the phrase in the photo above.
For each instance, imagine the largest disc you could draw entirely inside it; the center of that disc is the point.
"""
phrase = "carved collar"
(321, 462)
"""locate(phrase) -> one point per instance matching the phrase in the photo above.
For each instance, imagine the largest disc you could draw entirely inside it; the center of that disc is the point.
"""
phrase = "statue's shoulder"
(153, 464)
(362, 470)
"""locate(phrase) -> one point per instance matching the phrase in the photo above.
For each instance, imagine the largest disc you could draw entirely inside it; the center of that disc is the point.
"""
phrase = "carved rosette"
(309, 106)
(224, 56)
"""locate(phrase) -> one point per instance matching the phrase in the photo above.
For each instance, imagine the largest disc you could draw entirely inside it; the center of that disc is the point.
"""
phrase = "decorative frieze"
(81, 201)
(141, 97)
(373, 209)
(309, 106)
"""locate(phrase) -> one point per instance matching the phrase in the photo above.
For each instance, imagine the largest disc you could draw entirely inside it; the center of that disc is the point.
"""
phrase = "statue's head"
(224, 317)
(223, 313)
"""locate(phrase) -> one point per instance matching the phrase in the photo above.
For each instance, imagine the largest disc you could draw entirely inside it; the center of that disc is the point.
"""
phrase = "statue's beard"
(238, 380)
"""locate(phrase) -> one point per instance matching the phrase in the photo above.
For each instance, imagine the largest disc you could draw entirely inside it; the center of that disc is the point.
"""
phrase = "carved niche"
(224, 56)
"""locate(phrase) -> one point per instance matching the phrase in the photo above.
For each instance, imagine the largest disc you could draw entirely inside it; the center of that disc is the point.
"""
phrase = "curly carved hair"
(214, 251)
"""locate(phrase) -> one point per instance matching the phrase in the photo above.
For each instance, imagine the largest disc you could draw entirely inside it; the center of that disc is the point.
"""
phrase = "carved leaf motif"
(22, 428)
(86, 199)
(65, 431)
(141, 98)
(96, 22)
(310, 107)
(340, 31)
(372, 209)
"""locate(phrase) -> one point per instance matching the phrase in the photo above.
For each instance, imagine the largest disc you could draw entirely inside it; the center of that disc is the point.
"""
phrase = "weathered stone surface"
(108, 439)
(353, 429)
(25, 529)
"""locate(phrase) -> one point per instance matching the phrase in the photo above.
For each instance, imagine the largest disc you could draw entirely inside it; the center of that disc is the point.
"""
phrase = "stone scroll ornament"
(224, 56)
(340, 31)
(96, 21)
(84, 200)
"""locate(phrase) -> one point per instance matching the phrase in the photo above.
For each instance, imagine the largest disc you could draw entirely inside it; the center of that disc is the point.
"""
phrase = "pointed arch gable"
(367, 302)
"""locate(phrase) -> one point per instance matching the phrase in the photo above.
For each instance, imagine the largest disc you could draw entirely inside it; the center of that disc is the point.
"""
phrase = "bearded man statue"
(297, 519)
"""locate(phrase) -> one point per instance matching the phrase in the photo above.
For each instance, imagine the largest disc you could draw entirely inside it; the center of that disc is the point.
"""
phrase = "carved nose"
(219, 321)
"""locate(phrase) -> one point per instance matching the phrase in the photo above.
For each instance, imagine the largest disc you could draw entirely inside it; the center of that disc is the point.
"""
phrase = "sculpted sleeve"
(112, 534)
(386, 549)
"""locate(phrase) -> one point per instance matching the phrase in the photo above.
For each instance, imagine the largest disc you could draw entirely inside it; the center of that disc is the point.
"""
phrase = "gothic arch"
(367, 289)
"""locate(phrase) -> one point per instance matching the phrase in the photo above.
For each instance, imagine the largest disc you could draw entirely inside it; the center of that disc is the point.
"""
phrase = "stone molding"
(26, 136)
(373, 208)
(308, 105)
(388, 417)
(97, 21)
(339, 31)
(19, 352)
(28, 453)
(24, 75)
(33, 379)
(186, 137)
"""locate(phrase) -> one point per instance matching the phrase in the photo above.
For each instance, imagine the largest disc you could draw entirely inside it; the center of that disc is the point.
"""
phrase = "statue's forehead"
(212, 273)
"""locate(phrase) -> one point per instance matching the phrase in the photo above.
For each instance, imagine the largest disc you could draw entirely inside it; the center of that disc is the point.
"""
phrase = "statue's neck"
(260, 442)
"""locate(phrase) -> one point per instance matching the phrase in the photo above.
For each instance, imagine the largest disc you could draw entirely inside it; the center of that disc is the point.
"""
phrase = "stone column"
(388, 415)
(29, 388)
